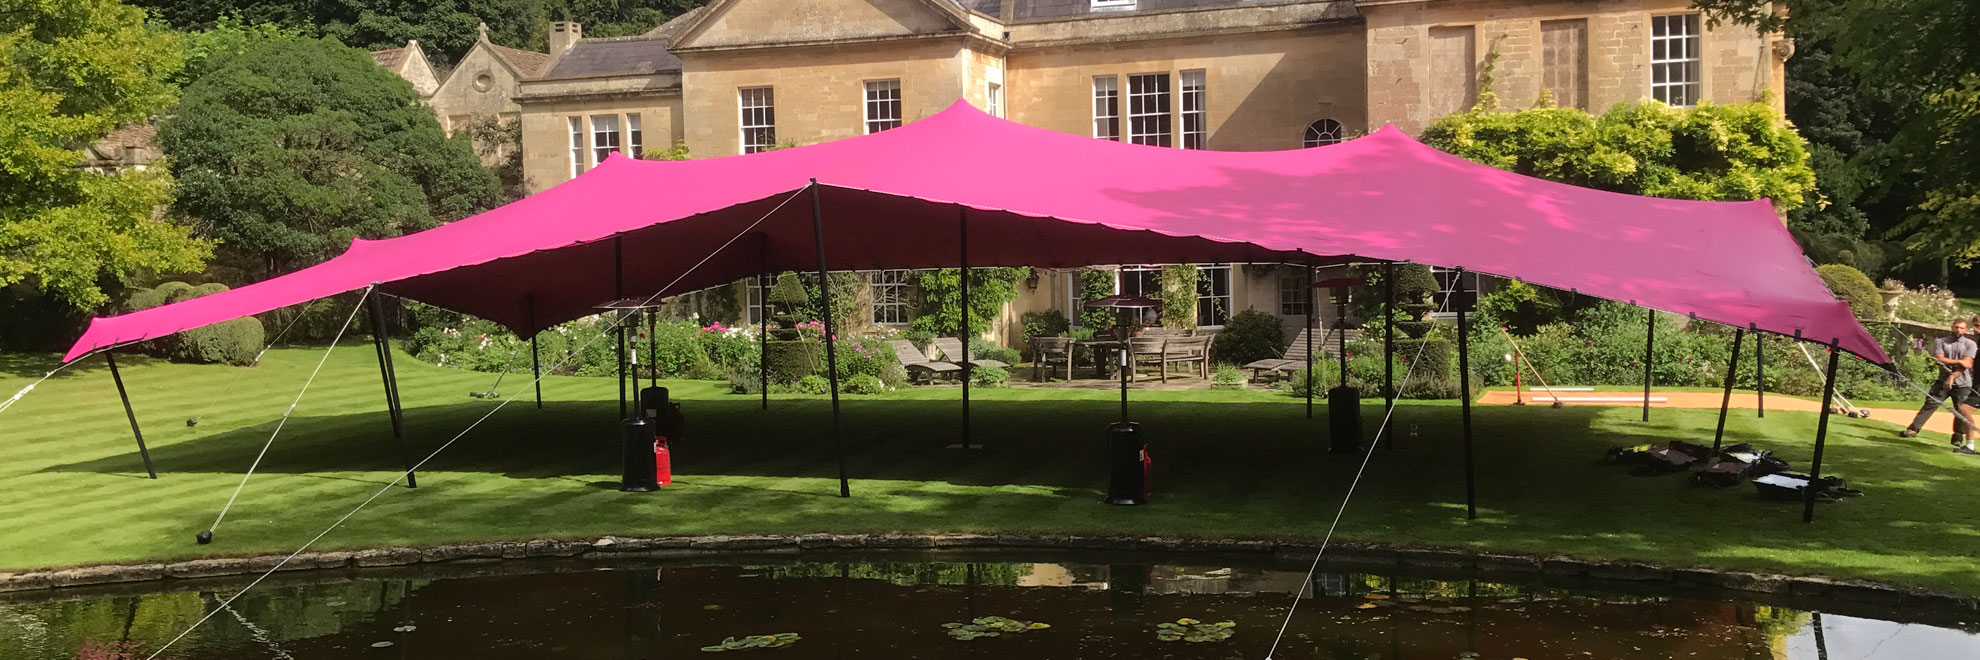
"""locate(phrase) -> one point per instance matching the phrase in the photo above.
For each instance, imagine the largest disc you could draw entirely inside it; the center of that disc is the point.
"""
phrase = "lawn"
(1236, 464)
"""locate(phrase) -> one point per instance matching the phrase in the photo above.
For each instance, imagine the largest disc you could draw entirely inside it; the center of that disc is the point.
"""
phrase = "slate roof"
(528, 63)
(646, 53)
(390, 58)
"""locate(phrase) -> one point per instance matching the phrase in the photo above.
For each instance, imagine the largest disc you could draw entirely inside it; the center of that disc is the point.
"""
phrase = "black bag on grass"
(1794, 486)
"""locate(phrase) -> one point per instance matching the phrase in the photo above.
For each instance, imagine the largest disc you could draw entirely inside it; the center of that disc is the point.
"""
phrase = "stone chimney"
(563, 34)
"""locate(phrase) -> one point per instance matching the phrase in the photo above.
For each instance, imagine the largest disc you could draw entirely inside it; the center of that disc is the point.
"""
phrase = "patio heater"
(1127, 452)
(1343, 401)
(639, 434)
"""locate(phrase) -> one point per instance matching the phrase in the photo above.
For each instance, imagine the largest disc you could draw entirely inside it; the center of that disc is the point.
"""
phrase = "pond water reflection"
(897, 609)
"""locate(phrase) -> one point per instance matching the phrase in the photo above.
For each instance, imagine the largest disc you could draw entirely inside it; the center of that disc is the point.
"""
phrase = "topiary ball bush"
(813, 384)
(234, 342)
(865, 384)
(989, 377)
(1249, 336)
(1853, 287)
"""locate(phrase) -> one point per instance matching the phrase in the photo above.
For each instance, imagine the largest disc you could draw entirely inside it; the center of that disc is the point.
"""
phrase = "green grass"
(1239, 464)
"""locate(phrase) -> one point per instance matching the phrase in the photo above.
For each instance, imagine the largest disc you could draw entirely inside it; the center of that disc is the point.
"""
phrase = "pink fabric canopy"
(1035, 197)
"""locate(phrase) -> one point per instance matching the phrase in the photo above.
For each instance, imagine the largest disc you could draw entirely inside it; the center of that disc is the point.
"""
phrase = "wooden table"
(1099, 347)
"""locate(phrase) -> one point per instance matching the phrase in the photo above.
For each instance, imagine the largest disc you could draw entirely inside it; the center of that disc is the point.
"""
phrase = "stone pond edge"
(1359, 555)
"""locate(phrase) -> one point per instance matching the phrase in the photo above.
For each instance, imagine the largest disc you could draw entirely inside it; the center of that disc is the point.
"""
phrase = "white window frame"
(1466, 290)
(1107, 108)
(758, 129)
(577, 145)
(1323, 132)
(1151, 105)
(604, 137)
(635, 141)
(1194, 98)
(1676, 59)
(1205, 276)
(757, 290)
(888, 292)
(883, 105)
(1295, 294)
(1113, 5)
(993, 96)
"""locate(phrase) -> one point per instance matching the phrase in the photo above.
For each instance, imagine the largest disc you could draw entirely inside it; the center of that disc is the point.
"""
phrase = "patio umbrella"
(1126, 304)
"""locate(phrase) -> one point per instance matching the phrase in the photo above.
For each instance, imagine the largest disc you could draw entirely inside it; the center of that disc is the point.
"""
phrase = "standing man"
(1954, 387)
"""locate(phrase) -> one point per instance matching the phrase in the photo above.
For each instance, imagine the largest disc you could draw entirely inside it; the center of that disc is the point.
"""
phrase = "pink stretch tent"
(1035, 197)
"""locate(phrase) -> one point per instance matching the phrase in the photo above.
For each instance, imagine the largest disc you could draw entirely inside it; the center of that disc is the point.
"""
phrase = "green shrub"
(746, 381)
(813, 384)
(1853, 287)
(793, 359)
(863, 357)
(1249, 336)
(864, 384)
(1227, 377)
(989, 377)
(674, 349)
(1094, 285)
(1927, 304)
(235, 341)
(1179, 296)
(984, 349)
(921, 339)
(1043, 323)
(1519, 307)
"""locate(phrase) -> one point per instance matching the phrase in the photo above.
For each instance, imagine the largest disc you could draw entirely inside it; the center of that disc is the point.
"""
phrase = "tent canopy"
(1036, 197)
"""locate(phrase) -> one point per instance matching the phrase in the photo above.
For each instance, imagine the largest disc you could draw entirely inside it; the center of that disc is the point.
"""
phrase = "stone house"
(409, 62)
(740, 76)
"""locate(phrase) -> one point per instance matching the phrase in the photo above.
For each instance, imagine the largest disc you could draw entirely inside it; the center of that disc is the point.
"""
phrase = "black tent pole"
(1821, 434)
(1759, 373)
(1312, 301)
(1649, 348)
(128, 413)
(831, 351)
(652, 347)
(619, 316)
(962, 228)
(535, 362)
(1464, 400)
(763, 316)
(1725, 402)
(381, 339)
(1388, 350)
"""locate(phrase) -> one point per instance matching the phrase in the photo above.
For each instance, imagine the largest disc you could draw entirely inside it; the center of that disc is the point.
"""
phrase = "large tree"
(294, 148)
(1711, 152)
(70, 72)
(1921, 54)
(445, 28)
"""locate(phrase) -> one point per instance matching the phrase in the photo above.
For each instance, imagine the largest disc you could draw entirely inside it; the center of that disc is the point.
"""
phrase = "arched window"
(1324, 132)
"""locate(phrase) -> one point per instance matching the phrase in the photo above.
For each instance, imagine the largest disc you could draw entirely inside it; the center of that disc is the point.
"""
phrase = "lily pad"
(990, 626)
(771, 641)
(1194, 631)
(405, 629)
(380, 645)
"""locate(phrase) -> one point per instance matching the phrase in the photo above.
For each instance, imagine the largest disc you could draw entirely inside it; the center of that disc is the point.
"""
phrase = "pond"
(1040, 606)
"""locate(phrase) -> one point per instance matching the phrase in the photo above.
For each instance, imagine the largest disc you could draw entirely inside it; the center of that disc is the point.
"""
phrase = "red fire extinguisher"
(1147, 474)
(663, 465)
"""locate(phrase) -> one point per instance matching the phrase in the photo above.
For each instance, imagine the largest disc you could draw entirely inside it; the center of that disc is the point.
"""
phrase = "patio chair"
(1051, 351)
(1186, 350)
(914, 361)
(1147, 349)
(1294, 358)
(952, 348)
